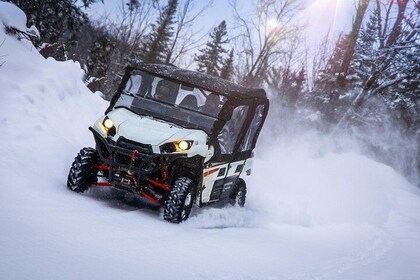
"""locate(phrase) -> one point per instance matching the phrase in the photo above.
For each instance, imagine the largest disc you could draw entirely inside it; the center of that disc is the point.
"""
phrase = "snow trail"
(311, 213)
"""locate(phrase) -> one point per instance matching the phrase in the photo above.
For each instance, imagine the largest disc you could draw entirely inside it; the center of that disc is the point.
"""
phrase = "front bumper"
(119, 156)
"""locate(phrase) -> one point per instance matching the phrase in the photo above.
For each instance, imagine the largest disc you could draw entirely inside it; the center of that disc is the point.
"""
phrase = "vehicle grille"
(131, 145)
(125, 157)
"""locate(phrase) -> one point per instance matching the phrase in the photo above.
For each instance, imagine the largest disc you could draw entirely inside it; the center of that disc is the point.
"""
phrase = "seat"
(190, 102)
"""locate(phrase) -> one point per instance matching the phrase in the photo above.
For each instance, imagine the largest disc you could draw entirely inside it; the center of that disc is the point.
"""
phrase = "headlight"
(177, 146)
(183, 145)
(108, 123)
(108, 126)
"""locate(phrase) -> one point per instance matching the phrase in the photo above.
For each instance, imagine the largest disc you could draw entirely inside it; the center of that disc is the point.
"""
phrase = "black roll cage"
(225, 113)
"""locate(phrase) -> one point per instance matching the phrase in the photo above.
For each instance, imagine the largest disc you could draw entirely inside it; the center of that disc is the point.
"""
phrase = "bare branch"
(388, 11)
(186, 19)
(1, 56)
(262, 34)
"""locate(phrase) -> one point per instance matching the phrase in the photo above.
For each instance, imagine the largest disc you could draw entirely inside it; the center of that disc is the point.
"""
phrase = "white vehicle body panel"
(148, 130)
(155, 132)
(212, 174)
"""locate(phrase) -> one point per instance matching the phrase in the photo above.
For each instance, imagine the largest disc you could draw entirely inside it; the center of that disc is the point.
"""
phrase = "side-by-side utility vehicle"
(175, 137)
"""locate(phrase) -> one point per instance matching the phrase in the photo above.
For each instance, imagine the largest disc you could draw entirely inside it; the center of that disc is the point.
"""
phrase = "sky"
(321, 15)
(318, 15)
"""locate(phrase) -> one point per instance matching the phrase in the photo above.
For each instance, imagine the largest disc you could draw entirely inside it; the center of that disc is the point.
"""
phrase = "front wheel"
(83, 172)
(180, 201)
(238, 194)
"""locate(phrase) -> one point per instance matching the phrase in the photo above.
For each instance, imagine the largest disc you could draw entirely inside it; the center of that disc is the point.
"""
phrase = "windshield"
(175, 102)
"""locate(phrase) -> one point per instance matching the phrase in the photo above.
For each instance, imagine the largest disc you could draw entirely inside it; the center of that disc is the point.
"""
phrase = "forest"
(362, 84)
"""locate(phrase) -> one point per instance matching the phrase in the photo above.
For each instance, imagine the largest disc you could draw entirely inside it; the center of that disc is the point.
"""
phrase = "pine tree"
(292, 85)
(351, 41)
(100, 56)
(336, 60)
(227, 69)
(54, 19)
(328, 86)
(133, 5)
(210, 60)
(299, 80)
(400, 83)
(58, 22)
(288, 84)
(398, 93)
(366, 52)
(328, 77)
(156, 42)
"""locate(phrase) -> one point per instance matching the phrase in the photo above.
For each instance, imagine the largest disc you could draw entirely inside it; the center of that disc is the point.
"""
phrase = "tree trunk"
(357, 24)
(396, 29)
(379, 13)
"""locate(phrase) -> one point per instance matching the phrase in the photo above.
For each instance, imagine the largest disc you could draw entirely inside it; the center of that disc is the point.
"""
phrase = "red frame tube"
(104, 184)
(102, 167)
(134, 155)
(149, 197)
(159, 184)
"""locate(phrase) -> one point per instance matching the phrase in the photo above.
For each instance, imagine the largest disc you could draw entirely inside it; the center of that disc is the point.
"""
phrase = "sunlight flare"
(272, 24)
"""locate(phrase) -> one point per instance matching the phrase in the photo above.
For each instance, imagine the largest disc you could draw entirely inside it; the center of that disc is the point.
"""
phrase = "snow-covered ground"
(311, 214)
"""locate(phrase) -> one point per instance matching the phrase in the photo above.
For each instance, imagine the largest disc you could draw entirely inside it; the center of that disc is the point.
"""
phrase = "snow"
(11, 16)
(312, 213)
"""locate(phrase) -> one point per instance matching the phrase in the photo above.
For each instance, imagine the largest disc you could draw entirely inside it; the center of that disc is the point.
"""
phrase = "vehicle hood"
(148, 130)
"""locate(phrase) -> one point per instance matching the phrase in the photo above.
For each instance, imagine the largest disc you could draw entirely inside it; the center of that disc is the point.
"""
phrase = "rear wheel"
(83, 172)
(238, 194)
(180, 201)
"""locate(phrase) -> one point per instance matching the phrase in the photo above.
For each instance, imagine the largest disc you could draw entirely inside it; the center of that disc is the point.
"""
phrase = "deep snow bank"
(15, 18)
(311, 213)
(44, 103)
